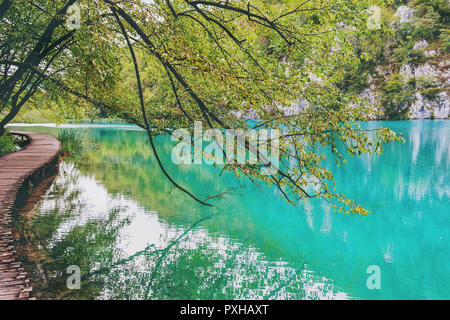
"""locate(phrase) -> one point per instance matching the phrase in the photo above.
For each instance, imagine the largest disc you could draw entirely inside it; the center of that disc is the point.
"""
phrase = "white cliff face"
(425, 70)
(445, 65)
(431, 53)
(370, 98)
(428, 70)
(422, 44)
(406, 71)
(423, 108)
(439, 106)
(404, 14)
(437, 74)
(296, 107)
(442, 111)
(420, 108)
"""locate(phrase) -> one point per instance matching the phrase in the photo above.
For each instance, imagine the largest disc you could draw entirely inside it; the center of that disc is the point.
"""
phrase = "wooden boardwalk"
(18, 172)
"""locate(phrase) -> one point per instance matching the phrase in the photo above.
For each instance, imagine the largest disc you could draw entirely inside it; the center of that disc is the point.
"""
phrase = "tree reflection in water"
(69, 226)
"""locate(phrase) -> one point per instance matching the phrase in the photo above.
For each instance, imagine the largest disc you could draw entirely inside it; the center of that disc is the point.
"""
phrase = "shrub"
(405, 53)
(425, 82)
(405, 30)
(355, 80)
(74, 143)
(430, 93)
(433, 18)
(7, 144)
(445, 39)
(440, 6)
(396, 97)
(426, 29)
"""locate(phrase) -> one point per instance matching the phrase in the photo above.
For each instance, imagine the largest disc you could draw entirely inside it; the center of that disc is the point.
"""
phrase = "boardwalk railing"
(18, 172)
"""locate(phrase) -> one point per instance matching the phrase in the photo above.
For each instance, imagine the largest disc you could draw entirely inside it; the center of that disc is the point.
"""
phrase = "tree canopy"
(165, 64)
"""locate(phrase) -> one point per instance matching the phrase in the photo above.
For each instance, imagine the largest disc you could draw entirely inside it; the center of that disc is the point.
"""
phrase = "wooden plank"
(15, 170)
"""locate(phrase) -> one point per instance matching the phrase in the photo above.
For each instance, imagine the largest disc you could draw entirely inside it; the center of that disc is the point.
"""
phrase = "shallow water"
(133, 236)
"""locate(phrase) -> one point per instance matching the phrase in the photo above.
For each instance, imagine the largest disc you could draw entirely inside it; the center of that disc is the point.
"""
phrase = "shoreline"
(131, 126)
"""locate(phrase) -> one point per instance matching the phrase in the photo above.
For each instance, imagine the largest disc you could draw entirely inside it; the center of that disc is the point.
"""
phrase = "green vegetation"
(429, 22)
(74, 143)
(430, 93)
(164, 64)
(445, 39)
(7, 144)
(32, 114)
(407, 54)
(427, 86)
(396, 96)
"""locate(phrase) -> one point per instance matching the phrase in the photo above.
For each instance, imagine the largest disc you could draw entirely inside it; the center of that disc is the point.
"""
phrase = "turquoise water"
(134, 236)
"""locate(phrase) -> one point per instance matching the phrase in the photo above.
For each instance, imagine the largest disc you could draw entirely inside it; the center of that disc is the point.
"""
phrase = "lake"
(133, 236)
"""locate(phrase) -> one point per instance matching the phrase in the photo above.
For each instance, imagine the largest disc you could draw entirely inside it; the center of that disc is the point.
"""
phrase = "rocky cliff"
(422, 73)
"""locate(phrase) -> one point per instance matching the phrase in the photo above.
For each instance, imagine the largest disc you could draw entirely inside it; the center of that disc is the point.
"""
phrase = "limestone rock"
(422, 44)
(404, 14)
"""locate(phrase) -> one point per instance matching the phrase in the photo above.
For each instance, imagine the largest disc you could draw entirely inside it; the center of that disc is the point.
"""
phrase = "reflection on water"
(126, 251)
(134, 236)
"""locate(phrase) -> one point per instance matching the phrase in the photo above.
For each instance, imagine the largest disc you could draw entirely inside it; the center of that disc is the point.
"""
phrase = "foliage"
(439, 6)
(432, 17)
(445, 39)
(407, 54)
(7, 144)
(425, 82)
(396, 96)
(164, 64)
(430, 93)
(74, 143)
(427, 26)
(355, 80)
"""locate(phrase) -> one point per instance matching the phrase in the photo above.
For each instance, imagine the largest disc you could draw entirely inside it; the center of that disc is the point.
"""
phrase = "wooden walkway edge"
(18, 171)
